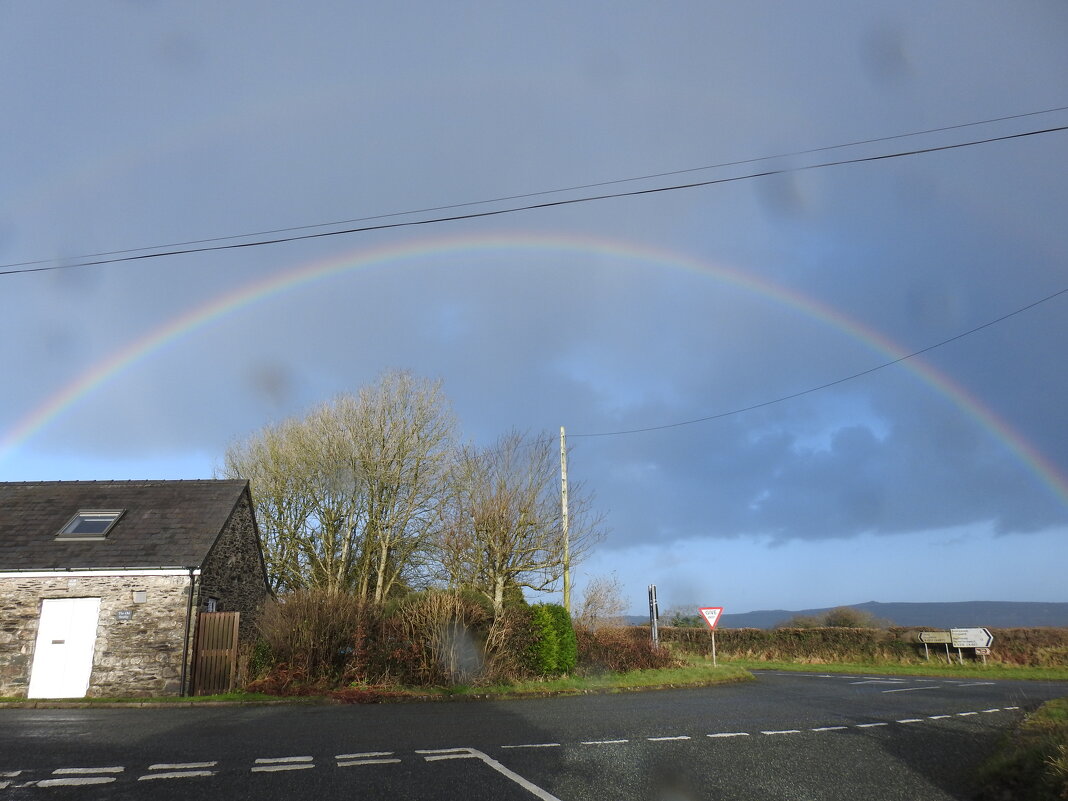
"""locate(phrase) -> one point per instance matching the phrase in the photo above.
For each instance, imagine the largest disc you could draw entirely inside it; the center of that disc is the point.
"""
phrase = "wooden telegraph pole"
(564, 521)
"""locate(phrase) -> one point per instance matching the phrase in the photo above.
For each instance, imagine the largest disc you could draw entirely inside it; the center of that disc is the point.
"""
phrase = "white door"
(63, 656)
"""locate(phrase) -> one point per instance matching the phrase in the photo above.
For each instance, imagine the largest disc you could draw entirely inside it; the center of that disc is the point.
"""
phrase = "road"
(784, 736)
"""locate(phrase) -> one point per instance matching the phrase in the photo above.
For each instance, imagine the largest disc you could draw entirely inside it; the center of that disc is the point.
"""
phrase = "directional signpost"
(935, 638)
(711, 615)
(971, 638)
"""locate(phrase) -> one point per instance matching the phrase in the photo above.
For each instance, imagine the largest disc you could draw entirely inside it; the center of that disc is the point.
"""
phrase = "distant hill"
(964, 614)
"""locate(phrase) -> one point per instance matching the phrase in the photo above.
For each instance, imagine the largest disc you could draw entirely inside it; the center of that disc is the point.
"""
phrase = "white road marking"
(831, 728)
(909, 689)
(870, 725)
(1012, 707)
(911, 720)
(604, 742)
(977, 684)
(730, 734)
(665, 739)
(182, 765)
(878, 681)
(80, 780)
(533, 745)
(83, 771)
(992, 710)
(364, 755)
(276, 768)
(356, 762)
(471, 753)
(11, 774)
(175, 774)
(939, 717)
(965, 714)
(783, 731)
(276, 764)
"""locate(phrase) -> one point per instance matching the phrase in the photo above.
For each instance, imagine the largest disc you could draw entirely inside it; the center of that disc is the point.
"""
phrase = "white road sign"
(971, 638)
(711, 615)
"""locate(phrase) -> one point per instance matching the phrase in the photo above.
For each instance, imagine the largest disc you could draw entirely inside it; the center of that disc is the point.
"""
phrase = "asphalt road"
(785, 736)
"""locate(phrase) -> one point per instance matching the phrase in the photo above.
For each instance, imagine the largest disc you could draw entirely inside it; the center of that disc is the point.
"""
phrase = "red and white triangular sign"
(711, 615)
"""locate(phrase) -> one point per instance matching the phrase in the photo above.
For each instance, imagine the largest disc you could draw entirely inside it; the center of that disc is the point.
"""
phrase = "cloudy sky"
(944, 477)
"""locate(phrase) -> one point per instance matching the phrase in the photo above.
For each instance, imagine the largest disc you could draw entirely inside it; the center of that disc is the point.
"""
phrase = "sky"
(769, 306)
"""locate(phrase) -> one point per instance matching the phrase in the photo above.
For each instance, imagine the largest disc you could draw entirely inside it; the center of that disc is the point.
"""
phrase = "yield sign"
(711, 615)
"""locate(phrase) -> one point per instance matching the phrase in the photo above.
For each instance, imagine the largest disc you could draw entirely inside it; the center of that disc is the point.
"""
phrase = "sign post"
(936, 637)
(654, 616)
(711, 615)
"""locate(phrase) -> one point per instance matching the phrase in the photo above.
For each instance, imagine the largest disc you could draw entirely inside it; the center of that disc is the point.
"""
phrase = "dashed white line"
(878, 681)
(939, 717)
(870, 725)
(604, 742)
(665, 739)
(729, 734)
(356, 762)
(76, 781)
(909, 689)
(831, 728)
(991, 710)
(175, 774)
(977, 684)
(85, 771)
(911, 720)
(965, 714)
(275, 764)
(1012, 707)
(783, 731)
(182, 765)
(366, 758)
(533, 745)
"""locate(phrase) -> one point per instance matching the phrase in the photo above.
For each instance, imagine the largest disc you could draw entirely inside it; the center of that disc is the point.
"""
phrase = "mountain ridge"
(952, 614)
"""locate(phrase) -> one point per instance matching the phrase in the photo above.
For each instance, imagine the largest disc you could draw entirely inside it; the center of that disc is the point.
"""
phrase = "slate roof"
(166, 523)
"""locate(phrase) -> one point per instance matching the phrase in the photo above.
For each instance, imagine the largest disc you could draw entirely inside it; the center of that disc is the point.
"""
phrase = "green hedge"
(1037, 647)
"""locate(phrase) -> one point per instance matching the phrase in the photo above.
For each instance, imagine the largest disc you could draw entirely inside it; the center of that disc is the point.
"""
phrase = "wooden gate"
(215, 653)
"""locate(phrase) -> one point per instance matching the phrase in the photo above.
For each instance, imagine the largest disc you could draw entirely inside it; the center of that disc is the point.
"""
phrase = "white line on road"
(878, 681)
(992, 710)
(665, 739)
(469, 753)
(175, 774)
(364, 755)
(604, 742)
(76, 781)
(11, 774)
(870, 725)
(182, 765)
(831, 728)
(911, 720)
(783, 731)
(275, 764)
(533, 745)
(965, 714)
(909, 689)
(356, 762)
(84, 771)
(1012, 707)
(730, 734)
(939, 717)
(977, 684)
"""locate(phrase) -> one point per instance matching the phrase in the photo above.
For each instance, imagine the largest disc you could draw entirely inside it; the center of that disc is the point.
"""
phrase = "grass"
(968, 671)
(1032, 761)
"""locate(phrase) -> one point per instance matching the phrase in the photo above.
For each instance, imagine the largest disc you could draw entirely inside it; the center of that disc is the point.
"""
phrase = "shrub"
(546, 644)
(618, 650)
(566, 643)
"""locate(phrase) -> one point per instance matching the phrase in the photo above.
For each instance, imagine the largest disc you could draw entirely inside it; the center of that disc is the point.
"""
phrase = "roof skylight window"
(90, 524)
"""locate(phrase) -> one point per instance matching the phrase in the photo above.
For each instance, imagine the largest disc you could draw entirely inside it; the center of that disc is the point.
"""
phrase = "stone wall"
(233, 572)
(138, 648)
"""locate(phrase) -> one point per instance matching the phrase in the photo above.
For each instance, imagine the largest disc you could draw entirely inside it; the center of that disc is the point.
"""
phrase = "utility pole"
(564, 521)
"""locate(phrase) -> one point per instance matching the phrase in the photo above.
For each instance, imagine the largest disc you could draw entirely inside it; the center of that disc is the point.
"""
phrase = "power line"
(829, 384)
(183, 250)
(505, 198)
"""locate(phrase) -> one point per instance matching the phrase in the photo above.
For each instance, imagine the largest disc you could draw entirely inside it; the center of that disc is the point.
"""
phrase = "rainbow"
(393, 255)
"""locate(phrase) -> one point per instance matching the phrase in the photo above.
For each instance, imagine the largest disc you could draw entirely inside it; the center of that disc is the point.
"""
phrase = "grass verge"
(966, 671)
(1032, 761)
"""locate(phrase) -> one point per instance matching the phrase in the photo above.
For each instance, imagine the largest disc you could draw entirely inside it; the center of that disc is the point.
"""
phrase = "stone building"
(102, 582)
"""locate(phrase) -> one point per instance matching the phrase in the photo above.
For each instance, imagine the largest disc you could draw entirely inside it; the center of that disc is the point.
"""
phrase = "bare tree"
(348, 497)
(503, 523)
(602, 603)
